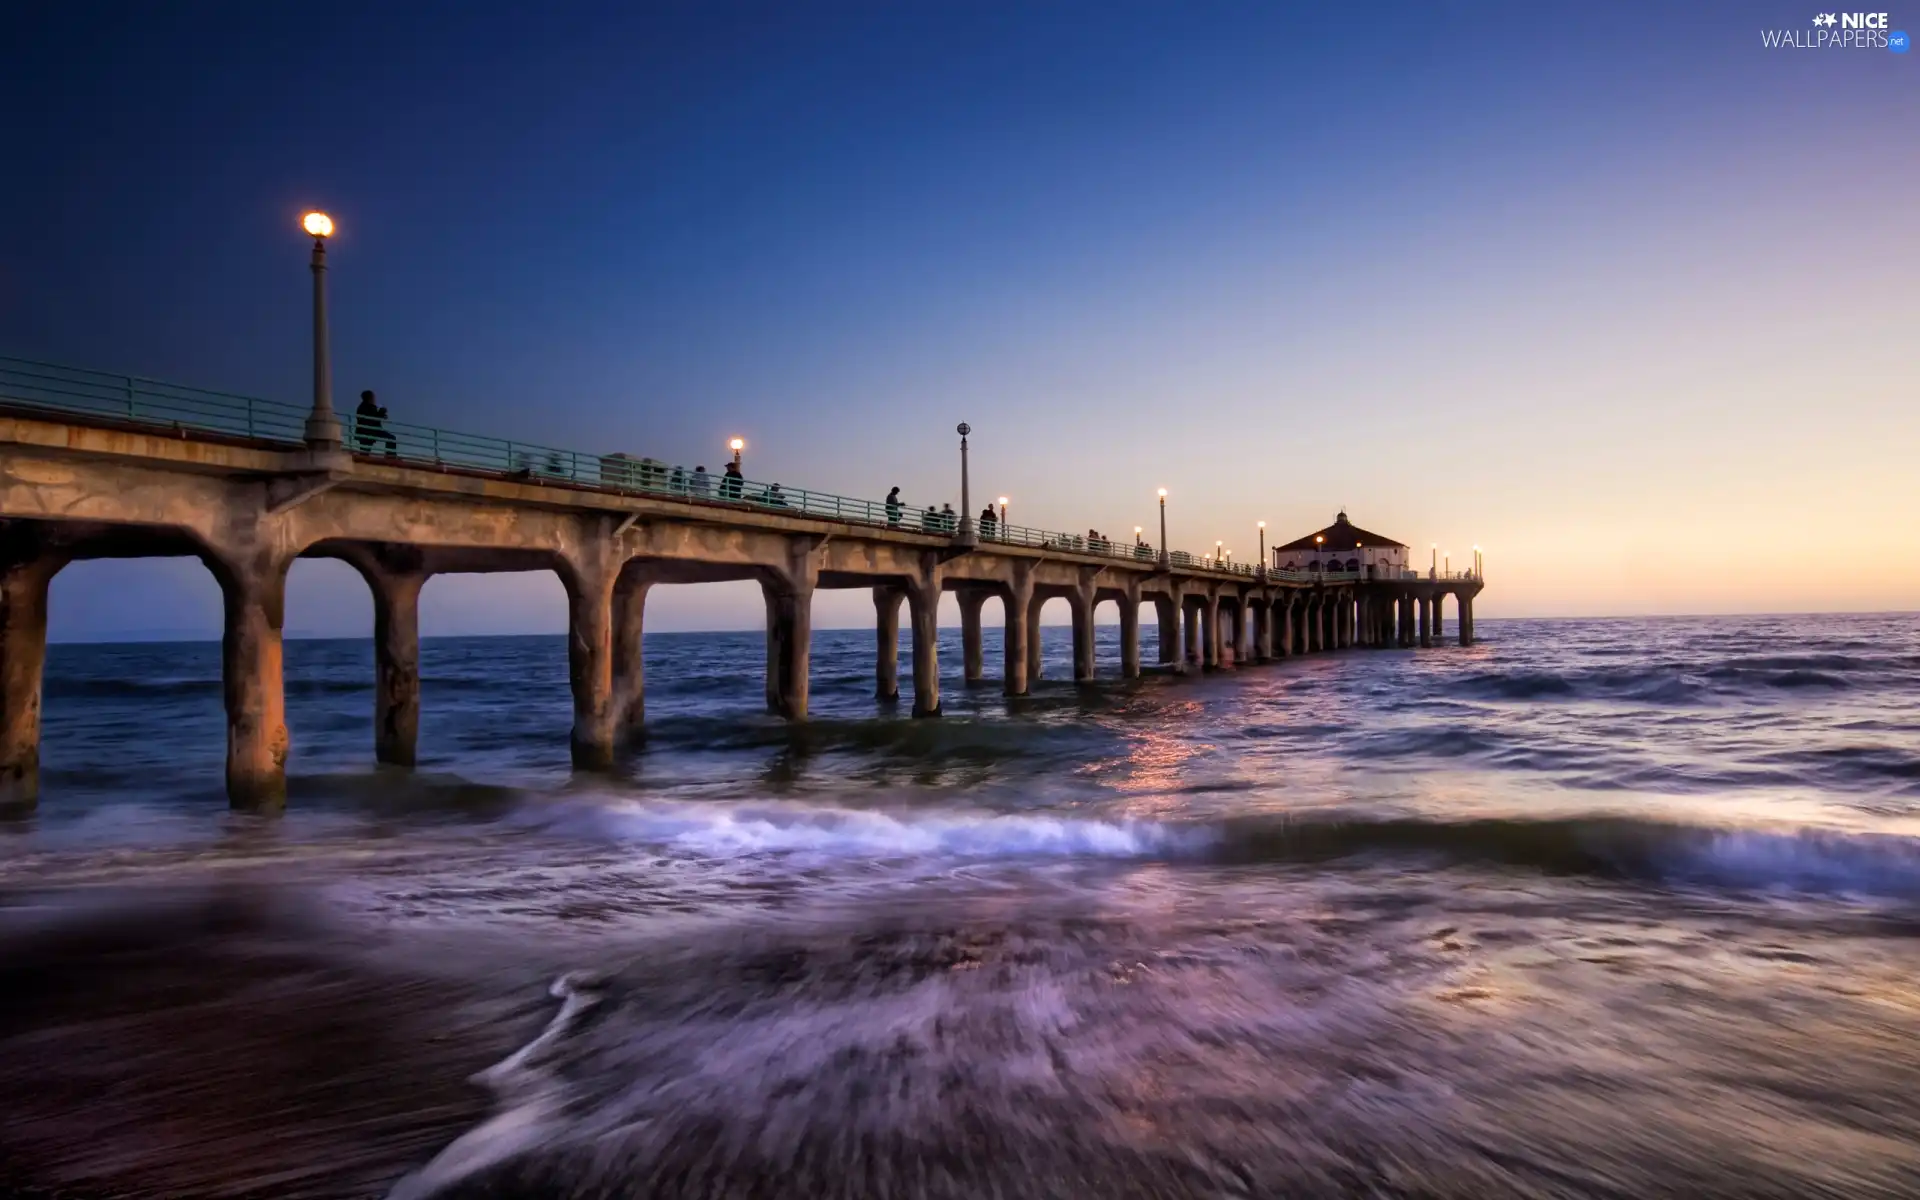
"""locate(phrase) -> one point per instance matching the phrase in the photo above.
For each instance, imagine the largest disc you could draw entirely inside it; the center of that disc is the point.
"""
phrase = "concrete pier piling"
(886, 661)
(629, 656)
(1017, 650)
(590, 665)
(923, 603)
(972, 649)
(790, 647)
(1080, 601)
(25, 574)
(254, 593)
(1130, 633)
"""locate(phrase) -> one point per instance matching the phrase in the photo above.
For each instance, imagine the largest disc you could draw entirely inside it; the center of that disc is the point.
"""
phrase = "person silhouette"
(893, 507)
(369, 425)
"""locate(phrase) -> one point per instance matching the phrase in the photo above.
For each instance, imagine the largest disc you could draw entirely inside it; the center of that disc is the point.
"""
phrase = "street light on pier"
(1003, 520)
(1165, 557)
(1262, 526)
(1433, 565)
(967, 536)
(1217, 552)
(737, 445)
(323, 428)
(1477, 566)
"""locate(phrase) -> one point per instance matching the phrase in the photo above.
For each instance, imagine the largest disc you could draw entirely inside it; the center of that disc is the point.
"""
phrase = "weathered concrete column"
(1283, 625)
(590, 661)
(970, 641)
(1210, 631)
(1466, 620)
(629, 653)
(1166, 611)
(396, 665)
(253, 679)
(1426, 621)
(1033, 638)
(1439, 607)
(789, 646)
(1243, 629)
(1130, 633)
(923, 605)
(886, 657)
(1408, 621)
(1018, 599)
(1081, 600)
(23, 658)
(1266, 647)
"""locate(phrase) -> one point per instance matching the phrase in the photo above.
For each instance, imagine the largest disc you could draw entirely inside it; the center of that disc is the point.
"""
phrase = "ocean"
(1607, 908)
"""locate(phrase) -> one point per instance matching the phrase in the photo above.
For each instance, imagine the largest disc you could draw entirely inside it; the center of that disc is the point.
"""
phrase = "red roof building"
(1344, 546)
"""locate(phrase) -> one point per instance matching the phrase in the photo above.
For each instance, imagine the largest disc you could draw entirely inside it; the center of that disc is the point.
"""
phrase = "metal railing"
(135, 400)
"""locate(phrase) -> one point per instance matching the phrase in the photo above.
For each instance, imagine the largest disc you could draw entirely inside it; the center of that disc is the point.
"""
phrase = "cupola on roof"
(1342, 535)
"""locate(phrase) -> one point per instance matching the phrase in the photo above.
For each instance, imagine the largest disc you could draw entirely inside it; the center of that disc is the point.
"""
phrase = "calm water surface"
(1608, 908)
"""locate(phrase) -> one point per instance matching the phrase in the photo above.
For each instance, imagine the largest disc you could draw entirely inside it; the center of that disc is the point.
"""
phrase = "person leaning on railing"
(369, 426)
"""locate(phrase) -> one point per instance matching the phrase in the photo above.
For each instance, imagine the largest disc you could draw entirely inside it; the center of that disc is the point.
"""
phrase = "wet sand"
(217, 1043)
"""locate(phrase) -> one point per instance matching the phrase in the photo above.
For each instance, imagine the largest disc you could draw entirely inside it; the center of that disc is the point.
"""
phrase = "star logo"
(1826, 19)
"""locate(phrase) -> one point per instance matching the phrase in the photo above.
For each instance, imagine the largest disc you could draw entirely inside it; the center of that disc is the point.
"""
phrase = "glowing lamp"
(318, 224)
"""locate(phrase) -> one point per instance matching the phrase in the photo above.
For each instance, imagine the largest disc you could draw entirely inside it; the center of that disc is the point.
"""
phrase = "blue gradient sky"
(1609, 289)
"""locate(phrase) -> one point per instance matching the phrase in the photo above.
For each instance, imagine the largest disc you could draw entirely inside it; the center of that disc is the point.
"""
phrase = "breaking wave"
(1613, 847)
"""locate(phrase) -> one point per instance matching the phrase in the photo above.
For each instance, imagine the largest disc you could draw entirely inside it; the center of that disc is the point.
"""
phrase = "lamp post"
(1003, 520)
(737, 445)
(1262, 527)
(1478, 568)
(1166, 559)
(323, 428)
(1218, 553)
(966, 536)
(1446, 564)
(1319, 544)
(1433, 566)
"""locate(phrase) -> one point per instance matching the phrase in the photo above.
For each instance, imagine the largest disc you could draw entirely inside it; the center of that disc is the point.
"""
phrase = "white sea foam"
(735, 830)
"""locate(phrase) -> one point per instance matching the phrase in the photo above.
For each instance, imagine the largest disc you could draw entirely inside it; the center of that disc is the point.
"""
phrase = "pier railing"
(176, 408)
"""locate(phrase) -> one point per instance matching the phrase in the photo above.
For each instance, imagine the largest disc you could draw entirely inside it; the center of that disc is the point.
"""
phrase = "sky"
(1611, 290)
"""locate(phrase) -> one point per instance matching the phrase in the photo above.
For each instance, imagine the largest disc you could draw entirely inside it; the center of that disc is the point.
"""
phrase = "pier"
(95, 465)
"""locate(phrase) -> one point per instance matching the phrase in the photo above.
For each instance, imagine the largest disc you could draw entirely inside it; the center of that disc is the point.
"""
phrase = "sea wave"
(1688, 681)
(739, 829)
(1631, 849)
